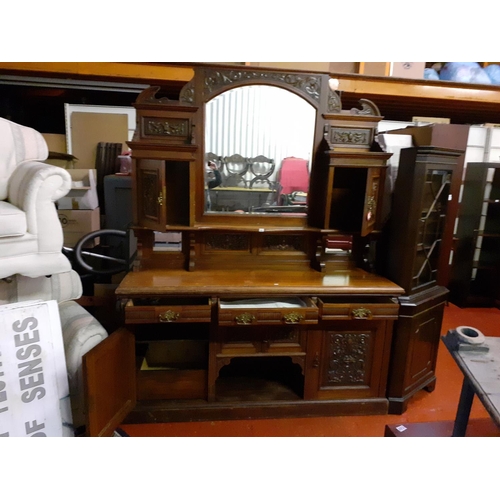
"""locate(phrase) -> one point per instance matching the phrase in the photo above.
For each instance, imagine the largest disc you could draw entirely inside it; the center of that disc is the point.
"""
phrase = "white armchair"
(31, 236)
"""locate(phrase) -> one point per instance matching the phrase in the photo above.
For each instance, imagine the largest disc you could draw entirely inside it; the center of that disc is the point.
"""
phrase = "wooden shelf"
(397, 98)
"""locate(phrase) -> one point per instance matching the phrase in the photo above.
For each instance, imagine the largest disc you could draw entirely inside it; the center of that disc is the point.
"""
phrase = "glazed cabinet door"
(109, 383)
(348, 360)
(150, 193)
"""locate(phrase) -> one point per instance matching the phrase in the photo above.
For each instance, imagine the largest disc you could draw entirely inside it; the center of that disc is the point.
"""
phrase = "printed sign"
(34, 392)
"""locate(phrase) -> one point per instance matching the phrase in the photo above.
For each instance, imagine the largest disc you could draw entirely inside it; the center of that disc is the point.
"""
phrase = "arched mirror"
(258, 151)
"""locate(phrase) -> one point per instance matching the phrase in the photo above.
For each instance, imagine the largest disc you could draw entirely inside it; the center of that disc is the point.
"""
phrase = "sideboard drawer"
(168, 311)
(335, 308)
(293, 311)
(253, 340)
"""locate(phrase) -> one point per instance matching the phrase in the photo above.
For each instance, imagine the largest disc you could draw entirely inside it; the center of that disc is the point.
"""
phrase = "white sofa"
(31, 236)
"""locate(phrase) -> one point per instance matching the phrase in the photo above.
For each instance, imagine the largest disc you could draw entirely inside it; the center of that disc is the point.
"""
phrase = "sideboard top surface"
(255, 283)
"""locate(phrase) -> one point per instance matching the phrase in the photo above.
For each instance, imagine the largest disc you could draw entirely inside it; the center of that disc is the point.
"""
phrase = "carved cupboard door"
(151, 193)
(348, 361)
(373, 198)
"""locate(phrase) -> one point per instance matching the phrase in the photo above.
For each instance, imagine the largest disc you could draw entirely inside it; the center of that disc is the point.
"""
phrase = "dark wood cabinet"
(475, 275)
(412, 256)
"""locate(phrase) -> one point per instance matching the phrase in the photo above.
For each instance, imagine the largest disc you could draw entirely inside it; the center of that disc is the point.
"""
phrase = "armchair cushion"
(31, 236)
(81, 332)
(61, 287)
(12, 220)
(17, 145)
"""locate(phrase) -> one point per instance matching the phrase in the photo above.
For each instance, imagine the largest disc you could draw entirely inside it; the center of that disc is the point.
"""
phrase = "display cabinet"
(454, 136)
(411, 256)
(476, 264)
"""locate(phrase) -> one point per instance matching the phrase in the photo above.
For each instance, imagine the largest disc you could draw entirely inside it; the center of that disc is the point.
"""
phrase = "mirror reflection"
(259, 146)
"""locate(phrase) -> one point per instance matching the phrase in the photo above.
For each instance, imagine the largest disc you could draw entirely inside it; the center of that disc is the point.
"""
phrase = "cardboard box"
(407, 69)
(431, 119)
(442, 135)
(56, 142)
(57, 151)
(78, 223)
(83, 194)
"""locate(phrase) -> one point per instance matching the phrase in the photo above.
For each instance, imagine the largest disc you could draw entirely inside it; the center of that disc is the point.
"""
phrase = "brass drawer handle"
(244, 319)
(168, 316)
(361, 313)
(292, 318)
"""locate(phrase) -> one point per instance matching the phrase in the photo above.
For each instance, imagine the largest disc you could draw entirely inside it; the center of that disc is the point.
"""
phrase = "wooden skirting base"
(196, 411)
(476, 428)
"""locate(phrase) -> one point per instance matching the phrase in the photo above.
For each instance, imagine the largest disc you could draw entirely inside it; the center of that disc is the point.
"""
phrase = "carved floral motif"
(173, 126)
(187, 93)
(226, 242)
(334, 102)
(282, 243)
(348, 354)
(357, 136)
(308, 85)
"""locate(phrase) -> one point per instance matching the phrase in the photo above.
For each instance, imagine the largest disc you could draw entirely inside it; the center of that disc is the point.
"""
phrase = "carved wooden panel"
(165, 127)
(348, 361)
(283, 243)
(354, 136)
(227, 241)
(308, 85)
(348, 358)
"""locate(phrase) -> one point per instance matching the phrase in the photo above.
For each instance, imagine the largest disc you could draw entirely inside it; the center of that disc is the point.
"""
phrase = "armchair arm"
(34, 187)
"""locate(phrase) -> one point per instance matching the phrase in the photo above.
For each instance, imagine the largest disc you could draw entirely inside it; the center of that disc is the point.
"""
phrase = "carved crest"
(308, 85)
(368, 108)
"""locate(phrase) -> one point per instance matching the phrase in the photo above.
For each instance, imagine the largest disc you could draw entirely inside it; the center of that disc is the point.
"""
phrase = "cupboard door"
(372, 198)
(109, 382)
(150, 193)
(348, 360)
(415, 348)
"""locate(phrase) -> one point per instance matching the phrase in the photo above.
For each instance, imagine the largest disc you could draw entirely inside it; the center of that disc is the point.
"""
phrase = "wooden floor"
(438, 406)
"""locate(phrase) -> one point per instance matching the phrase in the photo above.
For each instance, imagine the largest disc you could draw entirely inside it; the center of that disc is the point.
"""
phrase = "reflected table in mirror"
(230, 199)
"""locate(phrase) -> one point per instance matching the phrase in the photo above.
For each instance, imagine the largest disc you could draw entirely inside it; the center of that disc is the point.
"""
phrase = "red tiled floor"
(424, 407)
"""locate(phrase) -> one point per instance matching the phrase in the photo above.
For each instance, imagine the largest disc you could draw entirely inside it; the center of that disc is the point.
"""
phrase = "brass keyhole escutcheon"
(361, 313)
(315, 363)
(244, 319)
(168, 316)
(160, 199)
(292, 318)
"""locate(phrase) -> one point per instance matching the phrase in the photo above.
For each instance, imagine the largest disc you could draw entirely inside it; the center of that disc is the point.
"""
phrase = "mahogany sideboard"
(254, 344)
(262, 311)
